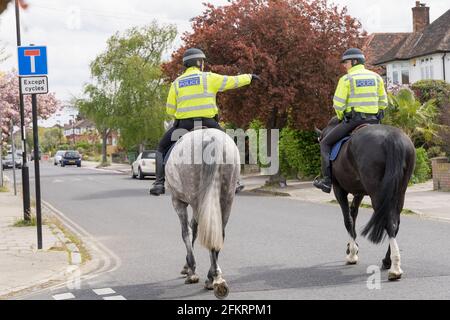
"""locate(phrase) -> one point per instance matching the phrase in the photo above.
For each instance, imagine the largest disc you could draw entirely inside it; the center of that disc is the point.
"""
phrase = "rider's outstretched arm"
(220, 83)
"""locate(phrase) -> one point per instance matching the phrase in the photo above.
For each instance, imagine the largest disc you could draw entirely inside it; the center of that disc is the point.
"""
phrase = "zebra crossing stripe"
(63, 296)
(114, 298)
(104, 291)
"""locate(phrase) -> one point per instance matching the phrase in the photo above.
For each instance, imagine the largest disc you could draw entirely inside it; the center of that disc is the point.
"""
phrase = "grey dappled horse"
(202, 172)
(377, 161)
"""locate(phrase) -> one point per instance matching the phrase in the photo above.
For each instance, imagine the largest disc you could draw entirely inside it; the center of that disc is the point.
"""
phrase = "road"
(275, 248)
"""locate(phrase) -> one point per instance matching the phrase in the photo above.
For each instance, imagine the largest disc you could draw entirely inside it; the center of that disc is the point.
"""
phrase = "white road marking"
(63, 296)
(114, 298)
(57, 181)
(104, 291)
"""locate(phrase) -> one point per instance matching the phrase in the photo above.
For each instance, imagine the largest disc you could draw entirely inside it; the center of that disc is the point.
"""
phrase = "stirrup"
(320, 184)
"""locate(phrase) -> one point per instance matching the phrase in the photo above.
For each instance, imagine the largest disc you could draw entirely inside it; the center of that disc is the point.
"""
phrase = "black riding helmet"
(354, 54)
(192, 57)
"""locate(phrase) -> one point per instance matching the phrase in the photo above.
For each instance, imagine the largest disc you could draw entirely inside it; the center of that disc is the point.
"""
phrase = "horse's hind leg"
(392, 261)
(194, 228)
(392, 258)
(349, 221)
(215, 280)
(189, 268)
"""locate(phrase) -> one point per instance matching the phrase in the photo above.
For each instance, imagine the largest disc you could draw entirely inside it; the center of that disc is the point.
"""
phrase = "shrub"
(422, 171)
(440, 91)
(299, 153)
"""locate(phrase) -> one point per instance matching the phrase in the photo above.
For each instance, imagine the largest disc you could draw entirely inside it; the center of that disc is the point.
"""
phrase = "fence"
(441, 173)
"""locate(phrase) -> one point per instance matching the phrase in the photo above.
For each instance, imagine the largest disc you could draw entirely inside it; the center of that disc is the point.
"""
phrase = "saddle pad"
(337, 147)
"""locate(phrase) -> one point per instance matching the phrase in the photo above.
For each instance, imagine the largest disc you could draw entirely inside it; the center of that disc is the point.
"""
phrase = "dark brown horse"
(377, 161)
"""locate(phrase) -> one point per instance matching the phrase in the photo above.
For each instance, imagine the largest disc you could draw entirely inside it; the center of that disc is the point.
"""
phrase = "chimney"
(421, 16)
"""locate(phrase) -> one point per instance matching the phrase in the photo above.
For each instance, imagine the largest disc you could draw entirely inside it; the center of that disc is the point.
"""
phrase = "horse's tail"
(210, 229)
(386, 203)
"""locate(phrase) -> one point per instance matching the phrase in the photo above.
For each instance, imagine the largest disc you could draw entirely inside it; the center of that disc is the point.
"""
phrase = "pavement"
(22, 265)
(420, 198)
(117, 167)
(275, 247)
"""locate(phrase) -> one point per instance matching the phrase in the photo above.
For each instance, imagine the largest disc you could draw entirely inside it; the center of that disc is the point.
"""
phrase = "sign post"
(33, 80)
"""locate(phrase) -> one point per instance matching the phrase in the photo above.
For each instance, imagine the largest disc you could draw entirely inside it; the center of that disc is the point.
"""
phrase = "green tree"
(98, 106)
(129, 76)
(50, 139)
(417, 120)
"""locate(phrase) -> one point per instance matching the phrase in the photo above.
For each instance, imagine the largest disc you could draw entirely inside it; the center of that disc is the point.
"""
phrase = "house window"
(395, 77)
(405, 76)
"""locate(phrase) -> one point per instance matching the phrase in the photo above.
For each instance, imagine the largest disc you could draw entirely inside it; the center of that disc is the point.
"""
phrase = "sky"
(75, 31)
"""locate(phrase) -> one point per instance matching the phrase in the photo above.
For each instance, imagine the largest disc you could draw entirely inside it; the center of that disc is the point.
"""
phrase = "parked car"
(7, 161)
(58, 157)
(144, 165)
(71, 157)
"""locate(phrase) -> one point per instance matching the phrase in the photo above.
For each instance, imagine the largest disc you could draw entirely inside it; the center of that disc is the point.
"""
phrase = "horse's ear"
(318, 131)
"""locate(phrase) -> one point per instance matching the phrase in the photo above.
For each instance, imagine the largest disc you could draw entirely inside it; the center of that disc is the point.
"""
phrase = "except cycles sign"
(33, 69)
(34, 85)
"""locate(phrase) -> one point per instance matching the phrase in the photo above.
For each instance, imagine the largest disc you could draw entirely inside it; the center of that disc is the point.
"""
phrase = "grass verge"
(4, 189)
(25, 223)
(85, 256)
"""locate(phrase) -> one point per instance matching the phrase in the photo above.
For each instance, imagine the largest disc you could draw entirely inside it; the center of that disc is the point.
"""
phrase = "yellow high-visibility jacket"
(193, 94)
(360, 89)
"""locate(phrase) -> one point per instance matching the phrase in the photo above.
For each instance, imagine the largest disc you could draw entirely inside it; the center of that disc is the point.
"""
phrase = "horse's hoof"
(221, 290)
(191, 279)
(394, 276)
(209, 285)
(351, 262)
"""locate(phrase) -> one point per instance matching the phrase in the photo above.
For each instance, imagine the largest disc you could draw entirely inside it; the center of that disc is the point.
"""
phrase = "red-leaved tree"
(295, 46)
(9, 104)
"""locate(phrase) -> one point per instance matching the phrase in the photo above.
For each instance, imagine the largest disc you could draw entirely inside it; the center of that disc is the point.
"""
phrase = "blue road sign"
(32, 61)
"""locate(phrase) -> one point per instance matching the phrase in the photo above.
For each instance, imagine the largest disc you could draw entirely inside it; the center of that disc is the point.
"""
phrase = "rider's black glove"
(256, 77)
(380, 115)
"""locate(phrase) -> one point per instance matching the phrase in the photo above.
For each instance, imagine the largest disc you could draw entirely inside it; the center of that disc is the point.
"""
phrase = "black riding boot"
(158, 185)
(325, 183)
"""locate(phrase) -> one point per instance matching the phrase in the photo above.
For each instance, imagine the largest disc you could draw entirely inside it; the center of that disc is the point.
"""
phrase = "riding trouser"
(343, 129)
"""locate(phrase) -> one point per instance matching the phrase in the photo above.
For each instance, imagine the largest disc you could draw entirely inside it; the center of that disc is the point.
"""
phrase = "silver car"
(7, 161)
(58, 157)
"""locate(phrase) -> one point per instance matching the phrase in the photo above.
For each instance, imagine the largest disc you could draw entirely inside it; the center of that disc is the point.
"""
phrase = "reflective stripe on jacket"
(362, 90)
(193, 94)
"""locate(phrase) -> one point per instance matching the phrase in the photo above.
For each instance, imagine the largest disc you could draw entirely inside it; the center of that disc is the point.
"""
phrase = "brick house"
(405, 58)
(83, 130)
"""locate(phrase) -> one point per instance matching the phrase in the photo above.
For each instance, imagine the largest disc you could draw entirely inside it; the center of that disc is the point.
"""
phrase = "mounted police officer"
(192, 101)
(360, 98)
